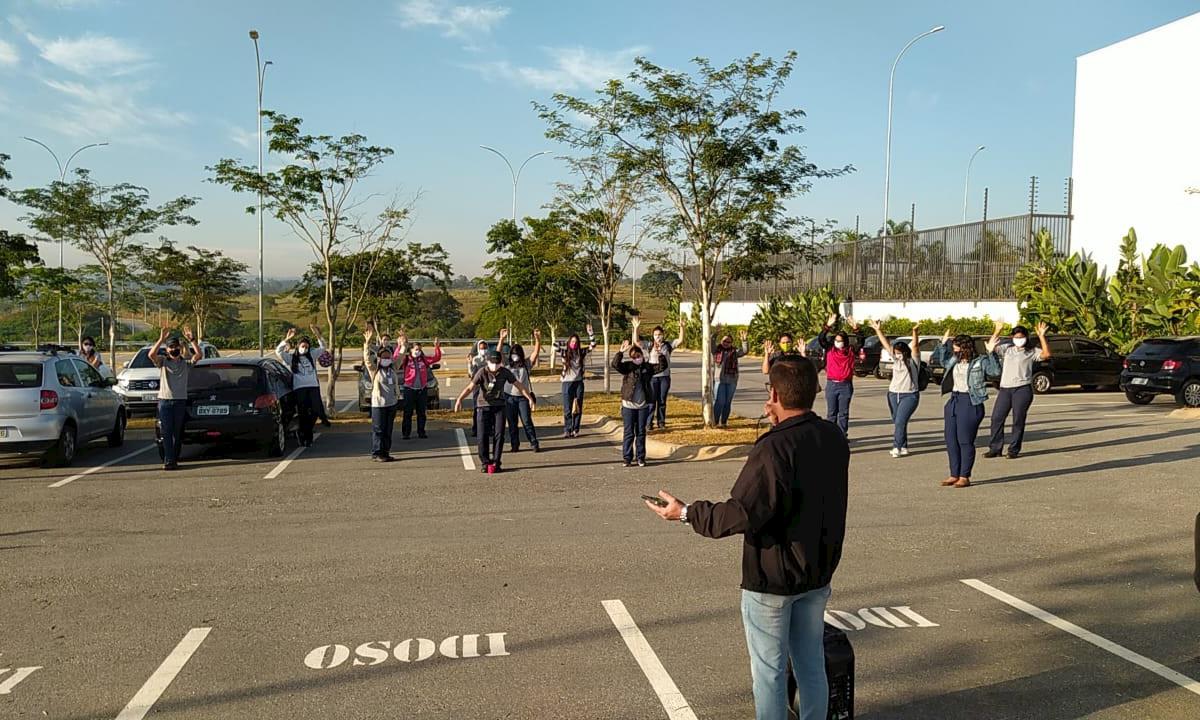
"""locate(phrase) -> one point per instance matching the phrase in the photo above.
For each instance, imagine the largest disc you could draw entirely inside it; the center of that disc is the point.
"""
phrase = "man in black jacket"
(789, 504)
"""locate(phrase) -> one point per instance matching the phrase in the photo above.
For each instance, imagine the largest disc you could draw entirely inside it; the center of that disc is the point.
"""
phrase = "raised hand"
(743, 334)
(768, 347)
(162, 334)
(875, 325)
(636, 321)
(187, 333)
(369, 332)
(437, 343)
(851, 322)
(916, 329)
(624, 346)
(997, 328)
(1042, 328)
(832, 320)
(590, 332)
(946, 336)
(503, 334)
(291, 333)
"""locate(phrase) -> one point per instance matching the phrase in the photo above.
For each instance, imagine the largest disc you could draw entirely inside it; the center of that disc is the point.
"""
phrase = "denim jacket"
(977, 372)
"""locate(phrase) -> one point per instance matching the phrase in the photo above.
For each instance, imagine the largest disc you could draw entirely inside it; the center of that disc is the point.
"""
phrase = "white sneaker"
(903, 452)
(894, 453)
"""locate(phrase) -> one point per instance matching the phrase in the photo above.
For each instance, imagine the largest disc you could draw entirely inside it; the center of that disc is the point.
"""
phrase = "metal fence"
(973, 261)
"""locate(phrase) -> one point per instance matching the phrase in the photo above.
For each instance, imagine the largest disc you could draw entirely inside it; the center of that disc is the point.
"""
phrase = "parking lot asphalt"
(1058, 586)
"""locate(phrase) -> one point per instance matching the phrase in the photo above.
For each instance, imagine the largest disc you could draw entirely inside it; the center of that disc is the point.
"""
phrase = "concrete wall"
(740, 313)
(1137, 143)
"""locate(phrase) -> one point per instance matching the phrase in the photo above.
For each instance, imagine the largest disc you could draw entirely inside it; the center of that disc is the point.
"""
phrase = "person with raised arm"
(904, 393)
(660, 382)
(517, 408)
(87, 350)
(378, 359)
(306, 383)
(1016, 385)
(725, 367)
(965, 382)
(173, 372)
(839, 369)
(574, 357)
(637, 375)
(416, 368)
(490, 380)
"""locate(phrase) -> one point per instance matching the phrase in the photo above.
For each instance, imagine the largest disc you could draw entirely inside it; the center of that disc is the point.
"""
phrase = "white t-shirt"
(522, 375)
(904, 378)
(1018, 365)
(306, 367)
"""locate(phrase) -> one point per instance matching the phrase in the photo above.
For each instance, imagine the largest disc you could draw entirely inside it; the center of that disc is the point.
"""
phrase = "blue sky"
(171, 86)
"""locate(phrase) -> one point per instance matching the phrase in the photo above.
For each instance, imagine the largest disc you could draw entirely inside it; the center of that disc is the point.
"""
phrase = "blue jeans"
(571, 393)
(517, 408)
(723, 401)
(383, 421)
(490, 419)
(962, 419)
(837, 403)
(635, 433)
(659, 388)
(414, 399)
(779, 627)
(902, 406)
(171, 416)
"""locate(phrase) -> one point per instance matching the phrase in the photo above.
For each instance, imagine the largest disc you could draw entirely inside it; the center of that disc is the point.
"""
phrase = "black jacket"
(789, 503)
(635, 374)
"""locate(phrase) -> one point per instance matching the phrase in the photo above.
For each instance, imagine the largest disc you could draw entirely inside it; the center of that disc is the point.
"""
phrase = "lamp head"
(253, 34)
(939, 28)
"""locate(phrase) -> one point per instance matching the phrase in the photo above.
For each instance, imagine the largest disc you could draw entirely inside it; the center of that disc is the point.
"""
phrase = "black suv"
(1164, 366)
(866, 362)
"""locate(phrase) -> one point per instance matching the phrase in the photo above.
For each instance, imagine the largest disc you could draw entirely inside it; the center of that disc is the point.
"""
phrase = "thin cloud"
(456, 21)
(8, 54)
(90, 54)
(110, 110)
(247, 139)
(570, 68)
(69, 4)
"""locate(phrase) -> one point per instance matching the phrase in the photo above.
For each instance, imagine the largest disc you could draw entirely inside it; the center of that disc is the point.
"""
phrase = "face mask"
(493, 367)
(1019, 341)
(839, 344)
(726, 344)
(173, 351)
(572, 344)
(636, 361)
(784, 345)
(417, 355)
(516, 358)
(658, 337)
(385, 362)
(89, 348)
(303, 349)
(482, 351)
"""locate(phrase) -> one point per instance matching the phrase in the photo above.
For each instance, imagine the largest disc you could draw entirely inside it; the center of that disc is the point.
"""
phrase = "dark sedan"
(238, 399)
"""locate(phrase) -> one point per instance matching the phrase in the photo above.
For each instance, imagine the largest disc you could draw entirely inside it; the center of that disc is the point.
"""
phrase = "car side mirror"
(125, 364)
(110, 381)
(435, 366)
(358, 367)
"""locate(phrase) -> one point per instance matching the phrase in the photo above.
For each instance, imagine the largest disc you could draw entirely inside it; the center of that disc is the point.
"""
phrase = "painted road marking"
(283, 464)
(162, 677)
(455, 647)
(464, 450)
(8, 683)
(668, 694)
(89, 471)
(1120, 651)
(879, 617)
(349, 404)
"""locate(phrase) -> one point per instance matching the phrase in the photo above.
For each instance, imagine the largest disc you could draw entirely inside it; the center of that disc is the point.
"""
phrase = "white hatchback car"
(138, 380)
(53, 403)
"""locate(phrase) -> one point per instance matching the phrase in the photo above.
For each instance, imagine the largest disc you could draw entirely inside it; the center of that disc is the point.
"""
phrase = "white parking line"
(349, 404)
(668, 694)
(1120, 651)
(162, 677)
(287, 461)
(464, 449)
(89, 471)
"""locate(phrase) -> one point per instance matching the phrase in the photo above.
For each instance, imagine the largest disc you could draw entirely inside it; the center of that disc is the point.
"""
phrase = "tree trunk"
(112, 320)
(553, 344)
(605, 321)
(37, 325)
(706, 369)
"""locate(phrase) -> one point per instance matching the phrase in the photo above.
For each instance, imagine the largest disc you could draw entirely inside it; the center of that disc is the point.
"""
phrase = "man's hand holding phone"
(666, 505)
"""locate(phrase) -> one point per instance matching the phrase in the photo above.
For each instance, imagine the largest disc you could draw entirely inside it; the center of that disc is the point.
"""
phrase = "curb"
(659, 450)
(1185, 414)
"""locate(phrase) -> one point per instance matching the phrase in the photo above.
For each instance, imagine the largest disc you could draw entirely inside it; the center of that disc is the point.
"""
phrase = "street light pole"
(260, 71)
(887, 162)
(516, 176)
(62, 178)
(967, 181)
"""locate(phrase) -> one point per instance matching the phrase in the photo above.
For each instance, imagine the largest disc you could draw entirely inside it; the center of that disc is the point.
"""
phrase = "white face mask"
(303, 349)
(516, 358)
(417, 355)
(636, 361)
(658, 337)
(493, 367)
(1019, 341)
(385, 362)
(839, 344)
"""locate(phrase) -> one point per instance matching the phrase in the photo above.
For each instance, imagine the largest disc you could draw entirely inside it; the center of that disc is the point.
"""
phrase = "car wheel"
(117, 437)
(1189, 394)
(1139, 398)
(63, 451)
(278, 440)
(1042, 383)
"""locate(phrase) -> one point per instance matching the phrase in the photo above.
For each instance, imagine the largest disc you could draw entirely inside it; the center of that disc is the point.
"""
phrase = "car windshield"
(1159, 347)
(142, 359)
(20, 375)
(224, 382)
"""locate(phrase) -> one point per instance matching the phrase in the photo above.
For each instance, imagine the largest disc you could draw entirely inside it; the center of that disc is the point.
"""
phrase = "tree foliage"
(713, 143)
(201, 283)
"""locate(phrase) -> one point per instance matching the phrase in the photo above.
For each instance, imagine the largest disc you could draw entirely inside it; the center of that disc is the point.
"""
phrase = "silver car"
(52, 403)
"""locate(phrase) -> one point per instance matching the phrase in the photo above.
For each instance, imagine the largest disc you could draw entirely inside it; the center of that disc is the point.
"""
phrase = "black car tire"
(117, 437)
(63, 451)
(1042, 382)
(1189, 394)
(1139, 398)
(277, 441)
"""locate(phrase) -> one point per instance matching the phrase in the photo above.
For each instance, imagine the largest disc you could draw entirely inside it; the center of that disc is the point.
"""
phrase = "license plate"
(152, 396)
(1140, 381)
(212, 410)
(3, 432)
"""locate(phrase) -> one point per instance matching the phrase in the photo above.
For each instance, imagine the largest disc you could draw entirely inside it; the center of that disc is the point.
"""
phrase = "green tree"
(103, 221)
(16, 254)
(714, 145)
(662, 284)
(315, 195)
(205, 283)
(40, 289)
(83, 299)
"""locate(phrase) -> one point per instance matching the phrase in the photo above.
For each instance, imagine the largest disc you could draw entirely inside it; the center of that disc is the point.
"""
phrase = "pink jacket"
(416, 373)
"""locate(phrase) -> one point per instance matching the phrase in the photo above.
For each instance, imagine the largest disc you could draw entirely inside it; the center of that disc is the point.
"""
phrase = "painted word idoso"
(455, 647)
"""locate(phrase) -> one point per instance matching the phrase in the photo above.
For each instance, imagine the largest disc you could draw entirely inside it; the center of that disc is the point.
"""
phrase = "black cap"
(173, 341)
(493, 356)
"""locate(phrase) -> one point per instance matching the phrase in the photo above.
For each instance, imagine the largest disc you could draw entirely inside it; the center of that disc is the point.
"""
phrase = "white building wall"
(740, 313)
(1137, 143)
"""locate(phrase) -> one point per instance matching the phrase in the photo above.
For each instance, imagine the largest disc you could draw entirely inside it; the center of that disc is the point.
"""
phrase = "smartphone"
(656, 500)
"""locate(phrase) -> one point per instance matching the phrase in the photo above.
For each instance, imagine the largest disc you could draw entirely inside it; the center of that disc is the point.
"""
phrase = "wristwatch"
(683, 515)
